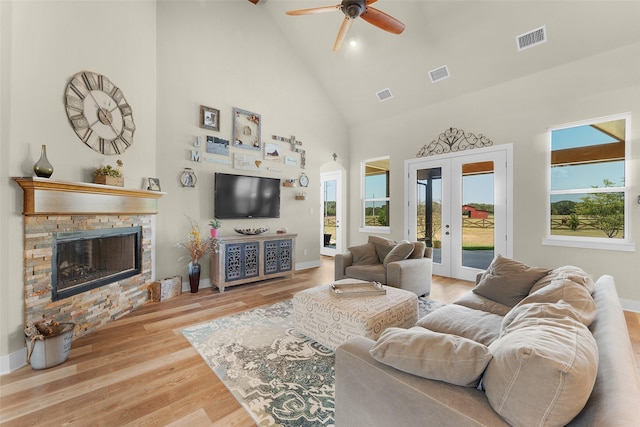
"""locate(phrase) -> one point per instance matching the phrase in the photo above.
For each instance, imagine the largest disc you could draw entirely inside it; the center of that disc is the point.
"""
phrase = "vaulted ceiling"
(476, 40)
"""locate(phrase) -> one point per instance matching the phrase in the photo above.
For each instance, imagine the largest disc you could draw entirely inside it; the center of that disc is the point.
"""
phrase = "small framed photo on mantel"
(209, 118)
(154, 184)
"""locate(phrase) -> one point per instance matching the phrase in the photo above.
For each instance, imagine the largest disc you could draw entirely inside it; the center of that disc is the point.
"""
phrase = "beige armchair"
(403, 265)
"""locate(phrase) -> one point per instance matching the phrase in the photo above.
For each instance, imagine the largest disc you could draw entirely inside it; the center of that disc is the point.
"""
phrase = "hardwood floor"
(141, 371)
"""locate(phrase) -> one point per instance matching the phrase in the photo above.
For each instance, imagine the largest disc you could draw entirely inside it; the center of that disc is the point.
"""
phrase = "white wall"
(520, 112)
(43, 45)
(219, 54)
(168, 58)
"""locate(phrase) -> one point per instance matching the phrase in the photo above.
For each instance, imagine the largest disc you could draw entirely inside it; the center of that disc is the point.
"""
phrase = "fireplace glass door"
(84, 260)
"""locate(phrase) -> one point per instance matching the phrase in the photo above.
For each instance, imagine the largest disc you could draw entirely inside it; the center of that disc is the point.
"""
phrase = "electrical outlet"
(304, 252)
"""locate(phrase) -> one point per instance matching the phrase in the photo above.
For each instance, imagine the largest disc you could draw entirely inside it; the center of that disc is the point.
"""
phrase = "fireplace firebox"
(87, 259)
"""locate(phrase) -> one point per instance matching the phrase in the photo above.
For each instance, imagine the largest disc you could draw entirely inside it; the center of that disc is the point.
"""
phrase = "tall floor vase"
(194, 277)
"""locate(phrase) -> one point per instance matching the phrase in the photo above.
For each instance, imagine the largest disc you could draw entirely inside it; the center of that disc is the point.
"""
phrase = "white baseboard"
(204, 283)
(630, 305)
(307, 265)
(13, 361)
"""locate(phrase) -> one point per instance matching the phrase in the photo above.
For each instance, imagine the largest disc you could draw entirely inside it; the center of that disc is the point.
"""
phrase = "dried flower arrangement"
(42, 328)
(195, 245)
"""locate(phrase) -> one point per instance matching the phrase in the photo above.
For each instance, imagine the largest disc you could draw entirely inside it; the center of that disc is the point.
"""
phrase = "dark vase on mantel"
(194, 277)
(43, 168)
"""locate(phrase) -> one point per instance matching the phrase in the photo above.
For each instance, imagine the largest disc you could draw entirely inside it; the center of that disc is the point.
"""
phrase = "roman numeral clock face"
(99, 114)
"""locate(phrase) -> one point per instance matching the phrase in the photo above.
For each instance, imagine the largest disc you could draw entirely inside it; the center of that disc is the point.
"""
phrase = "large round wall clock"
(99, 113)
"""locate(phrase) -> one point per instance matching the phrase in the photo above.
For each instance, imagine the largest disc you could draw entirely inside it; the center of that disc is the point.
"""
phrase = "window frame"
(617, 244)
(381, 229)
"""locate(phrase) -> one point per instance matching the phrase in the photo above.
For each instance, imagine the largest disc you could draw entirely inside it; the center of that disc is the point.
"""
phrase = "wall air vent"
(439, 74)
(384, 95)
(532, 38)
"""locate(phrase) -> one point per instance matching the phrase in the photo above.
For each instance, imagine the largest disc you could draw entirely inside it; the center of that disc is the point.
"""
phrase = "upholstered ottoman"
(331, 320)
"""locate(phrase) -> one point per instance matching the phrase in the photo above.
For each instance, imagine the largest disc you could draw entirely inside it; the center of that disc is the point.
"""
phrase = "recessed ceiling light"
(353, 43)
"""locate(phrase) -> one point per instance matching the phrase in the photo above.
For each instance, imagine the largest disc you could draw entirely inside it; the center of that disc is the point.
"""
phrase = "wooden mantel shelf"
(46, 197)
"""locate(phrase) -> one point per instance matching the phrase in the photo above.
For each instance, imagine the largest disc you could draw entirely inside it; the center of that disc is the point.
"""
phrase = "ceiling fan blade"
(342, 34)
(382, 20)
(313, 10)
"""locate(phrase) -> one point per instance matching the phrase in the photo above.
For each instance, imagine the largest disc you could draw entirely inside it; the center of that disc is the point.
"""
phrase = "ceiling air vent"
(439, 74)
(532, 38)
(384, 94)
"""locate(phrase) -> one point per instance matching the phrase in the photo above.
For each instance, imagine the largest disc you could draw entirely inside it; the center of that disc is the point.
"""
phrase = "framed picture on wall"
(209, 118)
(272, 152)
(217, 145)
(246, 129)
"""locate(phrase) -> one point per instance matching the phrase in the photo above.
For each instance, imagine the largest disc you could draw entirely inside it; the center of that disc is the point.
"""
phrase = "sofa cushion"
(476, 325)
(568, 298)
(569, 272)
(508, 281)
(369, 273)
(383, 246)
(542, 371)
(419, 249)
(399, 252)
(364, 254)
(478, 302)
(432, 355)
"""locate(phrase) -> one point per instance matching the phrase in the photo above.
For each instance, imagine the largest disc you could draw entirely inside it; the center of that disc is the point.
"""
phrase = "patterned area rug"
(280, 377)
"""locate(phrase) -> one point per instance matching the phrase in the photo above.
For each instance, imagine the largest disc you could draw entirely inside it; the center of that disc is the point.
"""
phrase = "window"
(375, 195)
(588, 194)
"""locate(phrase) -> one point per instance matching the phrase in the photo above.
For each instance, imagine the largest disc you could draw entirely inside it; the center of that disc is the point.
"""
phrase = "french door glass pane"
(329, 222)
(477, 221)
(429, 210)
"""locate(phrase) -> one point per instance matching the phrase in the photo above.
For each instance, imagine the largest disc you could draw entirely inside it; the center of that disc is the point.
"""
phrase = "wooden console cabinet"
(244, 259)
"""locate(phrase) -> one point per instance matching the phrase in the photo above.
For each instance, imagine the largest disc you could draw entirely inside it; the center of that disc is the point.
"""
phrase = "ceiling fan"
(353, 9)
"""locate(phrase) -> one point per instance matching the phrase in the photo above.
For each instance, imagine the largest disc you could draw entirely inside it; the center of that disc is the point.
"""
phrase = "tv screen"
(242, 196)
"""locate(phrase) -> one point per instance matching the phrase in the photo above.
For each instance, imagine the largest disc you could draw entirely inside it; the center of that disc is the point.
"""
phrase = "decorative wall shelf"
(46, 197)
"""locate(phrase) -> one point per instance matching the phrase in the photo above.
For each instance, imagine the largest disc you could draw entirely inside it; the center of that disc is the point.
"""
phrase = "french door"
(331, 202)
(459, 206)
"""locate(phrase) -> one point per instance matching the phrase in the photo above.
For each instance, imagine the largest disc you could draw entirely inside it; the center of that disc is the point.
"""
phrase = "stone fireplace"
(71, 230)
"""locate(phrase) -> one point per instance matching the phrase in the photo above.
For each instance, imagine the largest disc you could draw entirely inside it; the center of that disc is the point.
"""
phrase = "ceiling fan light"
(353, 10)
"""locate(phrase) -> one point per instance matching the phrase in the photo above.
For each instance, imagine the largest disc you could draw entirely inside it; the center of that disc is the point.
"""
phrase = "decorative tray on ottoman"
(357, 289)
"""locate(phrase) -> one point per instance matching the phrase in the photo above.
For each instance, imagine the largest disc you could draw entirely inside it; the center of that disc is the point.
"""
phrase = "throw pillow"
(383, 246)
(432, 355)
(401, 251)
(569, 272)
(508, 281)
(419, 249)
(542, 372)
(568, 297)
(364, 254)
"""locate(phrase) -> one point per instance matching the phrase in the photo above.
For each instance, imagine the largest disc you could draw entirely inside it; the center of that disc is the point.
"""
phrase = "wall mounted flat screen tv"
(242, 196)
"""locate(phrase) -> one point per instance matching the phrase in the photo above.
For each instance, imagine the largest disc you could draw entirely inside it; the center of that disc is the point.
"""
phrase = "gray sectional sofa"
(555, 351)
